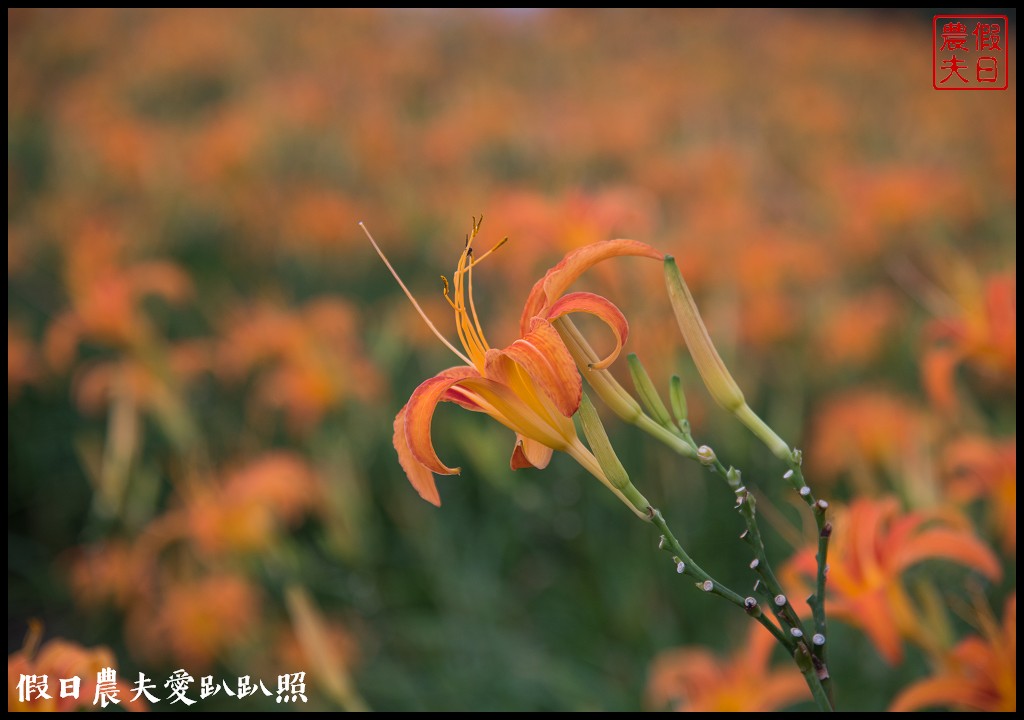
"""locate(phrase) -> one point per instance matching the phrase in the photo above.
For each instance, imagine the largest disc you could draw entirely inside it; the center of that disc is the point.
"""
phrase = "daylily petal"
(600, 307)
(939, 691)
(464, 398)
(419, 411)
(871, 613)
(530, 453)
(949, 544)
(557, 280)
(420, 477)
(938, 367)
(510, 408)
(542, 355)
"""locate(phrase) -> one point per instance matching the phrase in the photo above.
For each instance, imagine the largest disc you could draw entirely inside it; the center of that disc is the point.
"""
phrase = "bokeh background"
(205, 356)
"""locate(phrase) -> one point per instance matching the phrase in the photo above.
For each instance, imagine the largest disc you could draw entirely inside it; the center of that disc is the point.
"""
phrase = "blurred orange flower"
(979, 674)
(859, 431)
(195, 621)
(873, 544)
(61, 659)
(113, 571)
(981, 334)
(248, 509)
(106, 295)
(307, 362)
(977, 467)
(857, 326)
(22, 361)
(531, 387)
(154, 386)
(695, 680)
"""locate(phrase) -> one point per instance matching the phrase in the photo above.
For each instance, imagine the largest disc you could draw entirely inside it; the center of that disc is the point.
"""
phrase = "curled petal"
(419, 412)
(420, 477)
(546, 361)
(558, 279)
(600, 307)
(530, 453)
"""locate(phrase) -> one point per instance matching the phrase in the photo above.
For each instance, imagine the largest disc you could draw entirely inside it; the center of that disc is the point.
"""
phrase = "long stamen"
(493, 249)
(472, 307)
(415, 304)
(468, 334)
(468, 270)
(445, 291)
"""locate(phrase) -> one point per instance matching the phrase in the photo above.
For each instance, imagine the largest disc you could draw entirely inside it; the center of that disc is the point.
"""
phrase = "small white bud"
(796, 632)
(818, 639)
(706, 455)
(780, 600)
(708, 586)
(680, 567)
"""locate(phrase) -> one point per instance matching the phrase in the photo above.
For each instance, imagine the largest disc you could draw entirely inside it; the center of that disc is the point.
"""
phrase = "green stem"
(816, 601)
(817, 674)
(706, 582)
(822, 698)
(796, 647)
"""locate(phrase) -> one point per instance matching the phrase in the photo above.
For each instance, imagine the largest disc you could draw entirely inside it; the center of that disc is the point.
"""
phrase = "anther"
(796, 632)
(780, 599)
(708, 586)
(788, 475)
(680, 567)
(818, 639)
(754, 563)
(805, 491)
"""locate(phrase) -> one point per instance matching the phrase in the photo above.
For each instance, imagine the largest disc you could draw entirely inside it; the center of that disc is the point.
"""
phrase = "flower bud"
(647, 392)
(712, 370)
(678, 400)
(602, 448)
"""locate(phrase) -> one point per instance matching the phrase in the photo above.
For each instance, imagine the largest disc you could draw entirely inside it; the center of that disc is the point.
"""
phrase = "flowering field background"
(205, 356)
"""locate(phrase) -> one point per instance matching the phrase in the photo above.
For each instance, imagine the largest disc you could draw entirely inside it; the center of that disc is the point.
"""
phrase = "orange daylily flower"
(977, 467)
(531, 387)
(873, 544)
(106, 294)
(306, 361)
(22, 361)
(981, 333)
(979, 674)
(56, 659)
(863, 431)
(249, 508)
(195, 621)
(695, 680)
